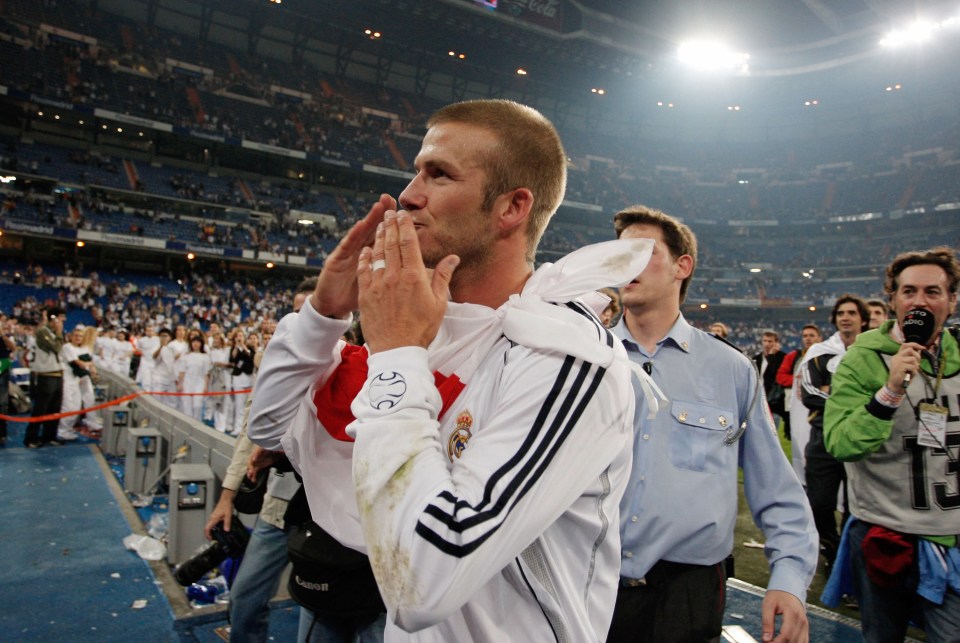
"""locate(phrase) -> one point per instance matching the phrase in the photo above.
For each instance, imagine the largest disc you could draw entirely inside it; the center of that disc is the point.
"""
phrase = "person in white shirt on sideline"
(221, 379)
(164, 373)
(147, 345)
(194, 377)
(75, 370)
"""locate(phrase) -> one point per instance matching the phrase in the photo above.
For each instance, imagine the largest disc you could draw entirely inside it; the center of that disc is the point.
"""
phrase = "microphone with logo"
(918, 325)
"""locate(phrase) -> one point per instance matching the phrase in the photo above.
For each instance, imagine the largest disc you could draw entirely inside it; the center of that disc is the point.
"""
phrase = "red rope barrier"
(119, 400)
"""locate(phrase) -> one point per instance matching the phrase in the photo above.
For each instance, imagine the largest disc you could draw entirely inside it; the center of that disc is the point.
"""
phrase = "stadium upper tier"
(143, 132)
(833, 257)
(76, 56)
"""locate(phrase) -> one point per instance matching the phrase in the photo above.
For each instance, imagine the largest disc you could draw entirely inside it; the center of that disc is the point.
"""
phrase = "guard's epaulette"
(726, 341)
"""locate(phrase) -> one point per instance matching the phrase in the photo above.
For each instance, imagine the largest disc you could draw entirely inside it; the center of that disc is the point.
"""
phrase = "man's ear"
(684, 266)
(513, 209)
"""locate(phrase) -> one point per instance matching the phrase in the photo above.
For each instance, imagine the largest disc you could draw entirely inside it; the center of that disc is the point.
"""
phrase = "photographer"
(266, 554)
(46, 385)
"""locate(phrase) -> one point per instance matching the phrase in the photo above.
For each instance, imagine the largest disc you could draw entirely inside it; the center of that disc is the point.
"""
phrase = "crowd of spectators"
(128, 301)
(130, 70)
(196, 299)
(233, 98)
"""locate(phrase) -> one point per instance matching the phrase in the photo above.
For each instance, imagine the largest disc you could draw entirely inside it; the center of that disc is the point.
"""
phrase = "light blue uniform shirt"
(681, 501)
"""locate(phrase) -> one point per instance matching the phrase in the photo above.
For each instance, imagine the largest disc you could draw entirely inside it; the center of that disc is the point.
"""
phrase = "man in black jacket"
(768, 363)
(825, 474)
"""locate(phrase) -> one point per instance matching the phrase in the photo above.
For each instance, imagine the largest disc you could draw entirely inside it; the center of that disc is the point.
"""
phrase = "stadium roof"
(784, 37)
(554, 53)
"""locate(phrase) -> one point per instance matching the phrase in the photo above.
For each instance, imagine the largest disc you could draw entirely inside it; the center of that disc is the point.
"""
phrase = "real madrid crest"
(460, 436)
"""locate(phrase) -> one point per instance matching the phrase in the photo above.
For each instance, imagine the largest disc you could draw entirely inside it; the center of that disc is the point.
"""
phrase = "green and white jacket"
(893, 481)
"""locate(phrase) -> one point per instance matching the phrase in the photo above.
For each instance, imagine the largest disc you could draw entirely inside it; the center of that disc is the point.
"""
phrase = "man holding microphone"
(893, 418)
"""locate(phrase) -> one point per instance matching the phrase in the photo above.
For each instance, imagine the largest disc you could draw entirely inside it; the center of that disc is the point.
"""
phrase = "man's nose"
(412, 197)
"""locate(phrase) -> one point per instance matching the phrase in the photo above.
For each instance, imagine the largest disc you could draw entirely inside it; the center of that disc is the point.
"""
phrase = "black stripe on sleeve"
(523, 470)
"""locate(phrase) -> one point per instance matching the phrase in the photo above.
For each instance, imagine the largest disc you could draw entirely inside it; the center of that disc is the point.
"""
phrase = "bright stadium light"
(711, 55)
(917, 32)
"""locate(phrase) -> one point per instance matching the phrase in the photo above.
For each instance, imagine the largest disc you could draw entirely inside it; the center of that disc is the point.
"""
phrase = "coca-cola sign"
(546, 13)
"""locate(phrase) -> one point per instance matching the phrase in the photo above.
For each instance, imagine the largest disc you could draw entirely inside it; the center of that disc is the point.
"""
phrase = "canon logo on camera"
(315, 587)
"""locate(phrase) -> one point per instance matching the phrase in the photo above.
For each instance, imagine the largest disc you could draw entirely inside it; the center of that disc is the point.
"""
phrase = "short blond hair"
(529, 155)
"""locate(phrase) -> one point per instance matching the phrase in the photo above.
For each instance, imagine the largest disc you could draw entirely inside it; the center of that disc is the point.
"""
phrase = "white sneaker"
(67, 436)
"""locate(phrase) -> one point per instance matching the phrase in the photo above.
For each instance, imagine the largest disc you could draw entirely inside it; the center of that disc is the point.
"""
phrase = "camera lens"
(192, 570)
(225, 544)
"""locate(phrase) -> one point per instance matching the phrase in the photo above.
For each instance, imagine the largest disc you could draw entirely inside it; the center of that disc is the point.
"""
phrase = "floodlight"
(712, 55)
(914, 33)
(917, 32)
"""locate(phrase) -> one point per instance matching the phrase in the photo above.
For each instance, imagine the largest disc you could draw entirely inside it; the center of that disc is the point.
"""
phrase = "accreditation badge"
(932, 429)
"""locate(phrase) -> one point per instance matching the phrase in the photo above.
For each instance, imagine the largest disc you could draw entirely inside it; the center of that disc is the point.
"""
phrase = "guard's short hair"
(678, 237)
(529, 155)
(942, 256)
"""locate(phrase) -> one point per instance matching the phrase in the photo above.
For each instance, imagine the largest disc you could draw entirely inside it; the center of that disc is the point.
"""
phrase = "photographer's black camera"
(226, 544)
